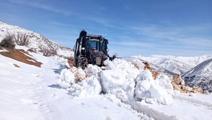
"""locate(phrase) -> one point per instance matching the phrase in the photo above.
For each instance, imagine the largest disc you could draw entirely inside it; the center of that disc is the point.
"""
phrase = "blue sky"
(133, 27)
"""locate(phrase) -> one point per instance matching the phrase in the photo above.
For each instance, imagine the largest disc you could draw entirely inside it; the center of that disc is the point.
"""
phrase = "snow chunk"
(152, 91)
(67, 77)
(82, 83)
(165, 82)
(79, 74)
(88, 87)
(118, 79)
(92, 70)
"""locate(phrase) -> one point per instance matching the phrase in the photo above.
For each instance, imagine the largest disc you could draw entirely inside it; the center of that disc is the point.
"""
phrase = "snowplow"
(90, 49)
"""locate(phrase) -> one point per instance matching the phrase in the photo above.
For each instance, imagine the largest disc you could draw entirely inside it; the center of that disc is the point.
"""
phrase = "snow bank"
(153, 91)
(65, 52)
(93, 70)
(88, 87)
(67, 77)
(118, 79)
(124, 80)
(81, 83)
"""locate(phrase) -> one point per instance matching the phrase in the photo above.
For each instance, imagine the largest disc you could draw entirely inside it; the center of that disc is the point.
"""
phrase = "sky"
(133, 27)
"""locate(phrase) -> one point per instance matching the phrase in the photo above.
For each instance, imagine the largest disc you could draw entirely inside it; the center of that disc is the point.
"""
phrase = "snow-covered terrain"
(201, 75)
(36, 42)
(32, 93)
(122, 90)
(176, 64)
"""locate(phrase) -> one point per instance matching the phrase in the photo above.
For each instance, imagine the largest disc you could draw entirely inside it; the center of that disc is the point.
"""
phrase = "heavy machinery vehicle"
(90, 49)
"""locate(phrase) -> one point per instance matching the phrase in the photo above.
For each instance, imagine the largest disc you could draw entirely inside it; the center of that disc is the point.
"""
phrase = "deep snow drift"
(121, 79)
(127, 82)
(159, 90)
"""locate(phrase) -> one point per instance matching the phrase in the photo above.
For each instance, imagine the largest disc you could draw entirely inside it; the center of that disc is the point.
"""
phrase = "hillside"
(176, 64)
(33, 41)
(201, 75)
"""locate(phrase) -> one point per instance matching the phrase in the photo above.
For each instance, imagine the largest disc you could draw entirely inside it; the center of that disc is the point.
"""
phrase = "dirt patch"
(21, 55)
(71, 62)
(178, 84)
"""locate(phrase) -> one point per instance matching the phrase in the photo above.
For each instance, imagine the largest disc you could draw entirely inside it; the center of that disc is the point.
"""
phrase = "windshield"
(93, 44)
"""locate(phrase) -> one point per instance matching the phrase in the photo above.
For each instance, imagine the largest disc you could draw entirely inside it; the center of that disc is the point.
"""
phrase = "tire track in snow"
(151, 112)
(38, 90)
(194, 101)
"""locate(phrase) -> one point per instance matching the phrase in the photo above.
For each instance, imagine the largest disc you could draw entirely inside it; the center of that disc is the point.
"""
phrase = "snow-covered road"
(18, 91)
(32, 93)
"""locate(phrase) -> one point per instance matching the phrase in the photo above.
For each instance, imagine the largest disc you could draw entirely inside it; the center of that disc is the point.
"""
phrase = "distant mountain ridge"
(196, 71)
(201, 75)
(176, 64)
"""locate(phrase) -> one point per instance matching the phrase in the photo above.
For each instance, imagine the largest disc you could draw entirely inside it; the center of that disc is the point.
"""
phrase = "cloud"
(167, 40)
(98, 19)
(41, 5)
(47, 7)
(135, 44)
(184, 36)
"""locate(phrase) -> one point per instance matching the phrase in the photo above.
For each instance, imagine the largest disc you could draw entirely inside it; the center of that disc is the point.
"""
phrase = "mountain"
(201, 75)
(176, 64)
(33, 41)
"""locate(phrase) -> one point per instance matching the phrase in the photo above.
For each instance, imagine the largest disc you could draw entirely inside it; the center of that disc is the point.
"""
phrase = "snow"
(121, 90)
(93, 108)
(189, 60)
(85, 88)
(65, 52)
(51, 91)
(176, 64)
(67, 77)
(77, 83)
(118, 79)
(34, 93)
(36, 41)
(17, 98)
(152, 90)
(161, 102)
(201, 75)
(182, 110)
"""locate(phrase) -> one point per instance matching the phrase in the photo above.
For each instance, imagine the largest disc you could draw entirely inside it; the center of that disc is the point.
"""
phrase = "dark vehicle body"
(90, 49)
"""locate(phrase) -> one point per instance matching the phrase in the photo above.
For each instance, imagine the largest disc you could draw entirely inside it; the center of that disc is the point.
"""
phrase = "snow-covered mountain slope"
(176, 64)
(34, 41)
(201, 75)
(138, 62)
